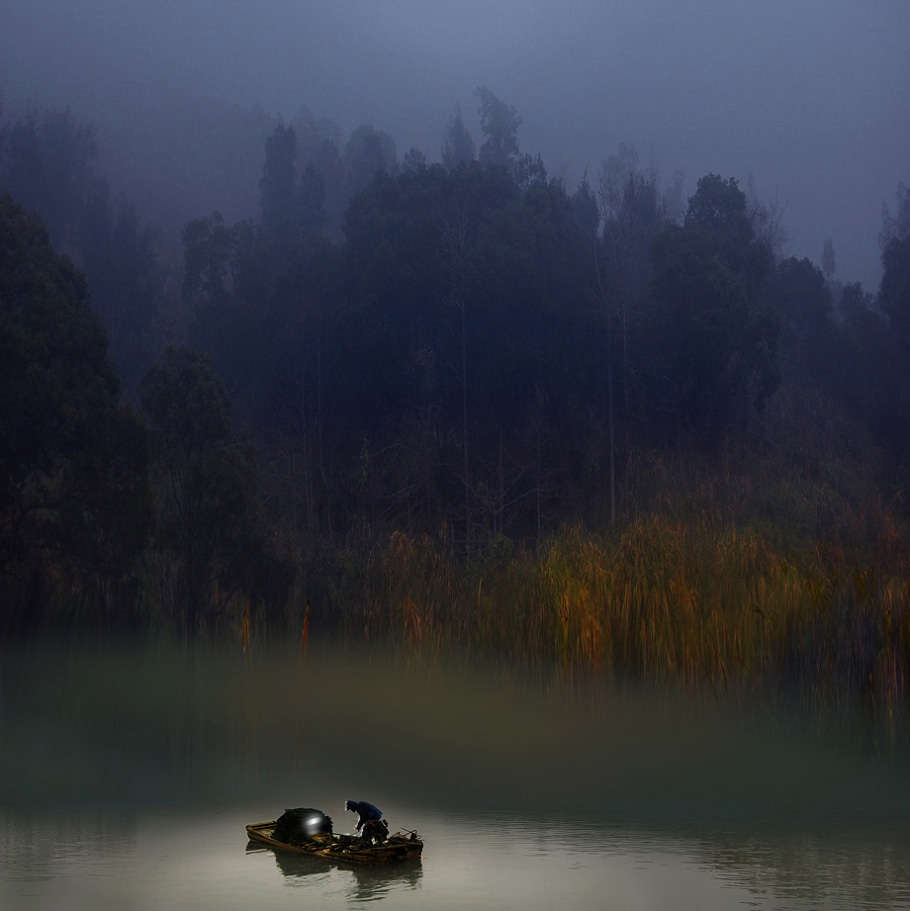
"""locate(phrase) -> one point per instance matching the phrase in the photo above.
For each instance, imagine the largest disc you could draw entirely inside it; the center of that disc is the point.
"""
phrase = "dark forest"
(448, 402)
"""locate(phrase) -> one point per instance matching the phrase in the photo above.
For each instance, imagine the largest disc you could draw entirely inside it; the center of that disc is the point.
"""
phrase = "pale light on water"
(201, 860)
(126, 781)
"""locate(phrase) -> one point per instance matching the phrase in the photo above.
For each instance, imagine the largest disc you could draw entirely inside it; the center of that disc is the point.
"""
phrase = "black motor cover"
(301, 824)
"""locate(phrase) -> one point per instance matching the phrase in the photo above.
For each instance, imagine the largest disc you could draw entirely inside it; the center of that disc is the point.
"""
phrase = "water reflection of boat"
(345, 849)
(293, 865)
(298, 866)
(371, 883)
(367, 883)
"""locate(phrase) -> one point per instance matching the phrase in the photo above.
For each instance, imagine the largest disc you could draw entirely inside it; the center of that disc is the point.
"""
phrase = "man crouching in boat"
(375, 828)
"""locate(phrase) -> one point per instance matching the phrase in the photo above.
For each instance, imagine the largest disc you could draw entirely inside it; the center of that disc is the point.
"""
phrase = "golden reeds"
(689, 603)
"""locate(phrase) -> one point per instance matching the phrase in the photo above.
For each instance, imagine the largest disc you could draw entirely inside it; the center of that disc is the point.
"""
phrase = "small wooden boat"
(345, 849)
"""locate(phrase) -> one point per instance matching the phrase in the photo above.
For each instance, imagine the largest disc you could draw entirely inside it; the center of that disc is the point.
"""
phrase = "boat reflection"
(370, 883)
(300, 865)
(362, 883)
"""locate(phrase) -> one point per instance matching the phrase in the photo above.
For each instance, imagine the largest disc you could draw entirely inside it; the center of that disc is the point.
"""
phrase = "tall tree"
(632, 214)
(718, 210)
(716, 343)
(126, 282)
(47, 163)
(499, 123)
(458, 145)
(209, 520)
(896, 226)
(799, 294)
(209, 278)
(869, 374)
(73, 488)
(894, 293)
(413, 160)
(367, 153)
(278, 186)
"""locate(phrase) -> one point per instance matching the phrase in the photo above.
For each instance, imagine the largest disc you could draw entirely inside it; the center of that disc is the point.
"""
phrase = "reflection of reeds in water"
(687, 603)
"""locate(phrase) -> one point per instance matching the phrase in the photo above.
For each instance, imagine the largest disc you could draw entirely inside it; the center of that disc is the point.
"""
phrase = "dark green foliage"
(368, 152)
(48, 165)
(584, 210)
(290, 209)
(528, 170)
(864, 372)
(210, 279)
(476, 334)
(278, 187)
(414, 160)
(718, 211)
(209, 519)
(715, 344)
(632, 214)
(698, 307)
(208, 251)
(458, 147)
(73, 490)
(799, 296)
(125, 281)
(894, 297)
(499, 123)
(461, 350)
(894, 303)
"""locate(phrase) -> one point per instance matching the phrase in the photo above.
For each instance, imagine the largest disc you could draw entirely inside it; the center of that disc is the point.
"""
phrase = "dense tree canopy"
(47, 164)
(800, 298)
(458, 148)
(499, 123)
(715, 345)
(461, 354)
(209, 521)
(73, 486)
(462, 348)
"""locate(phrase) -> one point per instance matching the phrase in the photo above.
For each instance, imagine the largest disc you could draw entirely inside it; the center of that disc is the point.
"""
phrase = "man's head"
(349, 805)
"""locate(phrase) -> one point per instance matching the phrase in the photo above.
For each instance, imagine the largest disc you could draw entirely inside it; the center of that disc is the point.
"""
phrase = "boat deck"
(344, 849)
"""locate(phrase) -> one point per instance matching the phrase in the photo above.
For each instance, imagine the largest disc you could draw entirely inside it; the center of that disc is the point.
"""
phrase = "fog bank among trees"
(450, 345)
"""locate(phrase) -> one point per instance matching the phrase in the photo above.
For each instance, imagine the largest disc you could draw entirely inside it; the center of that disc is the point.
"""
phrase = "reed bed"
(691, 603)
(774, 576)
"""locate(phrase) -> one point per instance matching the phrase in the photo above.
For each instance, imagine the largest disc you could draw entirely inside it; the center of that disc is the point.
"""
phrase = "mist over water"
(160, 725)
(132, 772)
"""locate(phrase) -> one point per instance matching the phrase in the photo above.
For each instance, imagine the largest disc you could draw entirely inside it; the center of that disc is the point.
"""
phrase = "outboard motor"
(301, 824)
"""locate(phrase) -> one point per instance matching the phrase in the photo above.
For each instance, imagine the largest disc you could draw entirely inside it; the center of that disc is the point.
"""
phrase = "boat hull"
(344, 849)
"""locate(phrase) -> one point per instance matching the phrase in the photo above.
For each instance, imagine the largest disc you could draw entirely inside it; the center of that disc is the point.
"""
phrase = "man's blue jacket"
(366, 811)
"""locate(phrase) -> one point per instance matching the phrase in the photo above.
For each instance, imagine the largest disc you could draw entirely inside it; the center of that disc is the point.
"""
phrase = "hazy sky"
(810, 98)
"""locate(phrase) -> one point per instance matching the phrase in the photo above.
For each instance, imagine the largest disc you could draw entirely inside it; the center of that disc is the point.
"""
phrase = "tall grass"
(782, 588)
(778, 577)
(717, 612)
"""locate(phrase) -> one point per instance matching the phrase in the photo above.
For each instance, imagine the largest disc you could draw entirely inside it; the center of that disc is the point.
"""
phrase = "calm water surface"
(160, 859)
(126, 780)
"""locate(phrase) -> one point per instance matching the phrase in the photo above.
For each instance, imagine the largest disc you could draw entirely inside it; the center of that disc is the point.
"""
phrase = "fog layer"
(811, 100)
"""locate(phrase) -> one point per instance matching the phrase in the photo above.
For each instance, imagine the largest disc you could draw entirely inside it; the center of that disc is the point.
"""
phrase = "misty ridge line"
(230, 137)
(808, 100)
